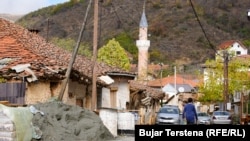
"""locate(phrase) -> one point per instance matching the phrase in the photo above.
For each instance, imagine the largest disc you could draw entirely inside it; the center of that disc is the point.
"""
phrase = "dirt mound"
(62, 122)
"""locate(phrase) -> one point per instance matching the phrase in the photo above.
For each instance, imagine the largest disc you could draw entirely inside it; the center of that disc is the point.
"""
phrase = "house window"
(53, 88)
(237, 95)
(79, 102)
(238, 52)
(113, 91)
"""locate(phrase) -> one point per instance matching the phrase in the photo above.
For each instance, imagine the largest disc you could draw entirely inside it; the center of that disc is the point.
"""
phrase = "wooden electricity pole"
(47, 34)
(72, 60)
(225, 90)
(95, 41)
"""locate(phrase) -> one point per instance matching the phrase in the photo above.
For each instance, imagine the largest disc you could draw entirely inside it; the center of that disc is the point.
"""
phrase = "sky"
(21, 7)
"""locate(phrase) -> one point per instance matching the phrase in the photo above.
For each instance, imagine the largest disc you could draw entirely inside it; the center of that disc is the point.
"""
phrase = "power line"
(119, 20)
(210, 44)
(135, 21)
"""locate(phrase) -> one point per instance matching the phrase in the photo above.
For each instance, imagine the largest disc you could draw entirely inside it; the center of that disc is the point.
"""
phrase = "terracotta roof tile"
(180, 79)
(24, 47)
(229, 43)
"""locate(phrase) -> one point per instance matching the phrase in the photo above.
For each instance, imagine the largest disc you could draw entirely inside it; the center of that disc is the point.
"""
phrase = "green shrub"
(2, 80)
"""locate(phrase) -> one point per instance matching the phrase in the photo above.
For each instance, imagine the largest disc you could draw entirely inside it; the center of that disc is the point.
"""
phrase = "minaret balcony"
(143, 43)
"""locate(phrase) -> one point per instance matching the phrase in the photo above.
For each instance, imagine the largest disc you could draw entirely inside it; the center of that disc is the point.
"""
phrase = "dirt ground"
(62, 122)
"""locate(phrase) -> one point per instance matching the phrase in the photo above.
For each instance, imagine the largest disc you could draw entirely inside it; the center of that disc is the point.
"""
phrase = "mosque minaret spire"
(143, 45)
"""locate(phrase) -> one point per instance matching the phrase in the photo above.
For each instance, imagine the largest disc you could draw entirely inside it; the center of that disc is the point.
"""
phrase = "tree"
(127, 42)
(238, 78)
(114, 55)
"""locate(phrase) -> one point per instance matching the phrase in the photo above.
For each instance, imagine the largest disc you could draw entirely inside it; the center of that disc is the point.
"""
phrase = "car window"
(221, 113)
(169, 110)
(202, 114)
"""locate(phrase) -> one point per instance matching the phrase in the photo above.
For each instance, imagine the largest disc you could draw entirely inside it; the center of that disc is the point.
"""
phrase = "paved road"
(124, 138)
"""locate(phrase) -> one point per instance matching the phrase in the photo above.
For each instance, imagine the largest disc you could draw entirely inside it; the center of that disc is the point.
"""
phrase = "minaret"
(143, 45)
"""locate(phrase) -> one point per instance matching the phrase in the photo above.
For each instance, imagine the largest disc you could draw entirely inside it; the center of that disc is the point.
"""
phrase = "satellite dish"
(248, 14)
(181, 89)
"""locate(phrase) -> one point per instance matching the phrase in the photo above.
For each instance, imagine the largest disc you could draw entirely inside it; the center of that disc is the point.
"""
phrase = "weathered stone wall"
(37, 92)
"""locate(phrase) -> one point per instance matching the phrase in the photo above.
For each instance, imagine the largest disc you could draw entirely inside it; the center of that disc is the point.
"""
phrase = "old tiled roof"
(46, 59)
(180, 79)
(154, 93)
(229, 43)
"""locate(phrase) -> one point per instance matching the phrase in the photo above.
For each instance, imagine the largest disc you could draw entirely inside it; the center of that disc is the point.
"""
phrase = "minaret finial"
(144, 5)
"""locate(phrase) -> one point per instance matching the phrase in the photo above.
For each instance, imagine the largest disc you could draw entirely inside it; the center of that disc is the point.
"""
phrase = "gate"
(13, 92)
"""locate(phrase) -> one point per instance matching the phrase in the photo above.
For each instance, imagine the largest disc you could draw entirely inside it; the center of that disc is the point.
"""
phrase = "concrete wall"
(122, 95)
(106, 98)
(109, 118)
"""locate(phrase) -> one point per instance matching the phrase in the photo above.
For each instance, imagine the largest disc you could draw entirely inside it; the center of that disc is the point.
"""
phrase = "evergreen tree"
(113, 54)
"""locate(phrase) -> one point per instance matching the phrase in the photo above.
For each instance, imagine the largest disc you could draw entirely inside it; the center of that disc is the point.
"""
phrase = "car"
(221, 117)
(203, 118)
(168, 114)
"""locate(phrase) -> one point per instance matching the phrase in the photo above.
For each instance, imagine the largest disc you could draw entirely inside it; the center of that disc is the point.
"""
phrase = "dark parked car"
(221, 117)
(168, 114)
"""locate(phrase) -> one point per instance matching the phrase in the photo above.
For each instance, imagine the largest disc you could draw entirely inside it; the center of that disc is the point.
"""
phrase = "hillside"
(176, 34)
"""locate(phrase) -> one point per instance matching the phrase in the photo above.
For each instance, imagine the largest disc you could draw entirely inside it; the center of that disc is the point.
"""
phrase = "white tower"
(143, 45)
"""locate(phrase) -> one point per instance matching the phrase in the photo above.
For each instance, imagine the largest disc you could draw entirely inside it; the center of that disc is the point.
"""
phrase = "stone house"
(234, 49)
(177, 89)
(28, 59)
(144, 101)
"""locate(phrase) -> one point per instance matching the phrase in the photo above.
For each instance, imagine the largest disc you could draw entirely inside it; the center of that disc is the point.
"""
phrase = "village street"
(124, 138)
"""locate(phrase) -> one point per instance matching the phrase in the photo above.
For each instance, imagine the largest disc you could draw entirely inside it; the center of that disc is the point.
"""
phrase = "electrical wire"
(119, 20)
(195, 13)
(135, 21)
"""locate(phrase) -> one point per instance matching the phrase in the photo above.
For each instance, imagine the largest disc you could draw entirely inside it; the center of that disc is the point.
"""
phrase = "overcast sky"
(21, 7)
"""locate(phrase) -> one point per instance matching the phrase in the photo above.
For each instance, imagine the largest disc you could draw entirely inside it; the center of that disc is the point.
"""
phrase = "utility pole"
(161, 80)
(176, 91)
(47, 36)
(72, 59)
(225, 91)
(95, 41)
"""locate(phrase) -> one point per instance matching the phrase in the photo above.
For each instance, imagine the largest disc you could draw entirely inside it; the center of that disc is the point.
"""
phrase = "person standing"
(189, 113)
